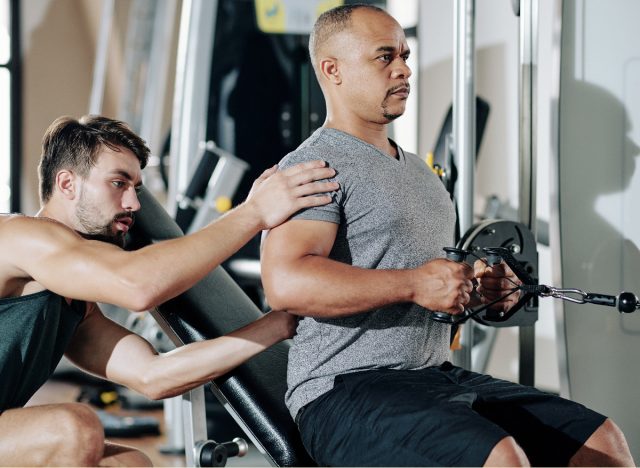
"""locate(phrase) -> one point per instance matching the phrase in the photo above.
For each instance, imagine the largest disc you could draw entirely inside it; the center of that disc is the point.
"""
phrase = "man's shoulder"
(323, 144)
(20, 234)
(18, 222)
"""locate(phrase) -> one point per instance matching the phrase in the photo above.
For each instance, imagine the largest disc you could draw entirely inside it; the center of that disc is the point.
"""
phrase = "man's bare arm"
(105, 349)
(63, 262)
(298, 276)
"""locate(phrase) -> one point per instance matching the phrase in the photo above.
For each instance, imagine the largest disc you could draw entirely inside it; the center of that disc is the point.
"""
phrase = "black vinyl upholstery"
(254, 392)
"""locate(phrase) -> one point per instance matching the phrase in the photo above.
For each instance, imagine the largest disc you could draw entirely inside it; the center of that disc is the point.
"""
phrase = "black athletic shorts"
(440, 416)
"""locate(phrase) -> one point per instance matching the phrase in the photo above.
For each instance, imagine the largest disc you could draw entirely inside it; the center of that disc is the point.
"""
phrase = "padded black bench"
(254, 392)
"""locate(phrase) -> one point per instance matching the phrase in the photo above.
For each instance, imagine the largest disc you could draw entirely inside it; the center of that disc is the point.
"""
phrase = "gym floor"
(61, 391)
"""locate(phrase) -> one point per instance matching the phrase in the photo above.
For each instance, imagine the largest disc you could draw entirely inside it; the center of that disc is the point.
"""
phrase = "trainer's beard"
(102, 232)
(118, 239)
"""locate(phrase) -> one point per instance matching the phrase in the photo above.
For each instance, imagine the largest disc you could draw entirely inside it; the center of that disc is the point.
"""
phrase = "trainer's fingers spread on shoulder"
(311, 175)
(269, 172)
(316, 187)
(305, 166)
(314, 200)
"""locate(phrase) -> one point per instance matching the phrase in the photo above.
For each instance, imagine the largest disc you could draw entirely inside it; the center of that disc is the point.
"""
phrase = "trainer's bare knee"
(77, 436)
(607, 446)
(507, 453)
(122, 455)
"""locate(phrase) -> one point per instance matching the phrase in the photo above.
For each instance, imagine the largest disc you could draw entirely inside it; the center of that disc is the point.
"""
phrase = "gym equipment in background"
(443, 163)
(212, 186)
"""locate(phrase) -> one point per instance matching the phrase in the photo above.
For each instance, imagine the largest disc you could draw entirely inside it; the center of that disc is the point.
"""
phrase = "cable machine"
(463, 148)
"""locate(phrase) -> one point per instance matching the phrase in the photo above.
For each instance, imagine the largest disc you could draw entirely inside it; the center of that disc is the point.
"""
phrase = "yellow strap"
(455, 344)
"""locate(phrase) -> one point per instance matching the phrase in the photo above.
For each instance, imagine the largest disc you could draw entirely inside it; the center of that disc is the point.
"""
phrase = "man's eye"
(118, 183)
(385, 58)
(405, 57)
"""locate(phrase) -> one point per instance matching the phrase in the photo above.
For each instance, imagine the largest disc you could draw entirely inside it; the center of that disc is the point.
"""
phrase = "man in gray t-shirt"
(368, 380)
(390, 214)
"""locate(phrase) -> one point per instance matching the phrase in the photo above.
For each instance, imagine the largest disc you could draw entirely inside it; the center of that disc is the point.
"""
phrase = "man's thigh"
(397, 418)
(550, 429)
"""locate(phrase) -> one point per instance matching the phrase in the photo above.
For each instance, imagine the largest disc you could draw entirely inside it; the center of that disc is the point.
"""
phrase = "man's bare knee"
(507, 453)
(607, 446)
(122, 455)
(77, 435)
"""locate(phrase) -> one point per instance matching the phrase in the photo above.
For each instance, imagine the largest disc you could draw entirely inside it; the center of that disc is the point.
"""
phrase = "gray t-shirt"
(392, 214)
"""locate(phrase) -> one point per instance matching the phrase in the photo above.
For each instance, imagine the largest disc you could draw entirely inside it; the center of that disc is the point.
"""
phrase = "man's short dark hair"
(332, 22)
(74, 144)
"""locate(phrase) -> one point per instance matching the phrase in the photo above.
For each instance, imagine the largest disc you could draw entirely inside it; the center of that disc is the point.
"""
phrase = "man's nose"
(401, 68)
(130, 201)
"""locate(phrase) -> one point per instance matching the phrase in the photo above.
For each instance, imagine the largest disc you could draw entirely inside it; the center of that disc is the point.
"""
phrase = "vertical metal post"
(15, 67)
(102, 57)
(527, 150)
(195, 423)
(561, 32)
(156, 79)
(191, 97)
(136, 62)
(174, 426)
(464, 128)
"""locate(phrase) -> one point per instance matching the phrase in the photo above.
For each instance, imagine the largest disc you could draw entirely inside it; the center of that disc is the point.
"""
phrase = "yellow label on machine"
(291, 16)
(271, 15)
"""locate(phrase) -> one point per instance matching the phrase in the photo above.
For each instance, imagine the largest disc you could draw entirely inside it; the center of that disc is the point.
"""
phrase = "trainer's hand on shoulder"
(443, 285)
(276, 195)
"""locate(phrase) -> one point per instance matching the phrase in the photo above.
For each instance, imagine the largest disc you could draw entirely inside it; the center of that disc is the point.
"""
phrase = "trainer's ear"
(66, 183)
(329, 70)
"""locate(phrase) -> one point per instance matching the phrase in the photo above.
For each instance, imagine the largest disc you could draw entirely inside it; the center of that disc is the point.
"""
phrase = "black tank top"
(34, 333)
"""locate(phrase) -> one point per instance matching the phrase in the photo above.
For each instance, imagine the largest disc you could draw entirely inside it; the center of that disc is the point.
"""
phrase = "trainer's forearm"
(320, 287)
(192, 365)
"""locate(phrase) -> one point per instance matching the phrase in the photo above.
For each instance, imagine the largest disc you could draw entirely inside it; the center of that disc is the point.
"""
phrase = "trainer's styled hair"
(74, 145)
(332, 22)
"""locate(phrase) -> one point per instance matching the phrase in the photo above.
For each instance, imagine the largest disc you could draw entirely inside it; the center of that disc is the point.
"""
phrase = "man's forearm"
(320, 287)
(186, 367)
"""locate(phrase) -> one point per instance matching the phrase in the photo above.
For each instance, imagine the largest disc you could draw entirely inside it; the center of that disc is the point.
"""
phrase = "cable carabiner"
(566, 294)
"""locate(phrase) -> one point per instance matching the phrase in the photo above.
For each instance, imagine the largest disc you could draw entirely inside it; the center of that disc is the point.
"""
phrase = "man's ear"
(66, 183)
(329, 70)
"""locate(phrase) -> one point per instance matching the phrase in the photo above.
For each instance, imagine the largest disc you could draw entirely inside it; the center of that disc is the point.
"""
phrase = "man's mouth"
(124, 223)
(401, 91)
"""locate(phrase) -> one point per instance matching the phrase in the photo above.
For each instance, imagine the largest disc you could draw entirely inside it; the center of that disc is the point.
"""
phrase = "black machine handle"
(460, 255)
(626, 302)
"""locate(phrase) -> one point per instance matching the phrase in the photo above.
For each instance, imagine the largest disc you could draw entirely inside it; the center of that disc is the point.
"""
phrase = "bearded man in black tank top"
(56, 266)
